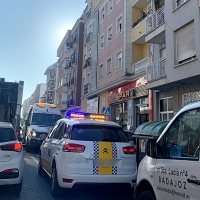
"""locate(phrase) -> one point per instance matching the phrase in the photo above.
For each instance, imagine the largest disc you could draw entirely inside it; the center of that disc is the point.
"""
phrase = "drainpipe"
(150, 105)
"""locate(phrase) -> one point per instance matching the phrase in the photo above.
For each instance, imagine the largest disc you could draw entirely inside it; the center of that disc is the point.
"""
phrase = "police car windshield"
(7, 134)
(98, 133)
(44, 119)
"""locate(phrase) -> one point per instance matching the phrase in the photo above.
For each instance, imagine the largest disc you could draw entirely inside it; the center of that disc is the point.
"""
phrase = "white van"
(171, 168)
(39, 121)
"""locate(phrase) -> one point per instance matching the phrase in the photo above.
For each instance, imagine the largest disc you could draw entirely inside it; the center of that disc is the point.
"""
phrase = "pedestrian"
(131, 128)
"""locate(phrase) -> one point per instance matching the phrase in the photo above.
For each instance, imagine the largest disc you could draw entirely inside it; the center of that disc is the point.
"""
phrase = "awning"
(150, 129)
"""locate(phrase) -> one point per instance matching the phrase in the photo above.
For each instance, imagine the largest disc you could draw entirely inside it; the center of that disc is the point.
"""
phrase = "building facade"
(70, 53)
(50, 94)
(174, 73)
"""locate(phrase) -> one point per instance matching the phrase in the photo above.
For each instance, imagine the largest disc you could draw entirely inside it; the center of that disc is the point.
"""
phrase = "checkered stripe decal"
(96, 155)
(114, 151)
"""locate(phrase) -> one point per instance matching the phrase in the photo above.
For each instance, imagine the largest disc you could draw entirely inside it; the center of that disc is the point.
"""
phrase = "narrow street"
(38, 188)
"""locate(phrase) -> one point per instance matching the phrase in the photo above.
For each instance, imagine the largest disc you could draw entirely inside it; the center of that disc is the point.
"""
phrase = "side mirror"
(151, 148)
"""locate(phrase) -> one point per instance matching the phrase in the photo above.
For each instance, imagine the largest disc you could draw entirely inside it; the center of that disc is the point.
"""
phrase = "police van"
(170, 170)
(84, 149)
(39, 120)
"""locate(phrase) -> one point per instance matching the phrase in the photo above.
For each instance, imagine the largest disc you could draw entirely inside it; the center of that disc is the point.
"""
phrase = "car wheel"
(16, 189)
(40, 169)
(56, 190)
(147, 195)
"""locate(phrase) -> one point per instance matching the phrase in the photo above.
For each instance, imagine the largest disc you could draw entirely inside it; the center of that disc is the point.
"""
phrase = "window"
(183, 137)
(119, 61)
(110, 5)
(166, 109)
(102, 14)
(98, 133)
(7, 134)
(119, 25)
(185, 42)
(101, 42)
(180, 2)
(101, 71)
(109, 34)
(109, 64)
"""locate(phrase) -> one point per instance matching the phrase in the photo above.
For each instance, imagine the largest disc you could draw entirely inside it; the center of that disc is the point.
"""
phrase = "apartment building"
(112, 84)
(89, 103)
(50, 94)
(173, 28)
(70, 54)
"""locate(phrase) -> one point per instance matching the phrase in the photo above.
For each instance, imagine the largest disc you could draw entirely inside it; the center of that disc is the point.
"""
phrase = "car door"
(46, 150)
(52, 144)
(177, 174)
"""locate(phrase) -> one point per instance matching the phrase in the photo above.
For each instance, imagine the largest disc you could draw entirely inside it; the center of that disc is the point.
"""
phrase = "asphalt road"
(36, 187)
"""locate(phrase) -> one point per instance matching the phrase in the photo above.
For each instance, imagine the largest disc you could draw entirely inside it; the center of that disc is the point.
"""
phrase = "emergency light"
(82, 115)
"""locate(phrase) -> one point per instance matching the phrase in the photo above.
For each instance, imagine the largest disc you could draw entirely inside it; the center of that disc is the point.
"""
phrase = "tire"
(56, 190)
(147, 195)
(40, 169)
(16, 189)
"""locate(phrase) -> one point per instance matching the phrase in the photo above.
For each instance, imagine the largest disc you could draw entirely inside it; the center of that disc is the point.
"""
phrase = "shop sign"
(123, 94)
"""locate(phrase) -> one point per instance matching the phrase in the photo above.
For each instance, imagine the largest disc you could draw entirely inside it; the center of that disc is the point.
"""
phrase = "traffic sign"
(106, 111)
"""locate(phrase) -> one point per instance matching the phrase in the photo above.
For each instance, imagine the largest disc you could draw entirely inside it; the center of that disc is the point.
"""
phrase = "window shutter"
(185, 42)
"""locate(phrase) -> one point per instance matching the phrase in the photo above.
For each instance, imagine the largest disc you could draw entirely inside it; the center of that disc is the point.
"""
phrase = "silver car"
(11, 158)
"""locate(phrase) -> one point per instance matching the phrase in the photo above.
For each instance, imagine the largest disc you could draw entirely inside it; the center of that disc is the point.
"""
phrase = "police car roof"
(89, 121)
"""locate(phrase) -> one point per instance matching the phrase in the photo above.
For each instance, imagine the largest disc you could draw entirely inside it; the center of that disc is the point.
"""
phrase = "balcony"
(155, 27)
(138, 32)
(88, 37)
(65, 84)
(50, 88)
(64, 102)
(141, 65)
(86, 88)
(87, 62)
(140, 3)
(89, 13)
(72, 81)
(156, 70)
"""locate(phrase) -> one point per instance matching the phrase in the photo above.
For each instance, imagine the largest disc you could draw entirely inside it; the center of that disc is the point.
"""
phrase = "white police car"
(11, 158)
(87, 150)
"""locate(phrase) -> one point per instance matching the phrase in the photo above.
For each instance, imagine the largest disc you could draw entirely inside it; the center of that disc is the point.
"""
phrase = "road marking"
(36, 161)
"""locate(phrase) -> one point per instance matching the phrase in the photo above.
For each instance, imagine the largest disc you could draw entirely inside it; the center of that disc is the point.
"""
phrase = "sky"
(30, 34)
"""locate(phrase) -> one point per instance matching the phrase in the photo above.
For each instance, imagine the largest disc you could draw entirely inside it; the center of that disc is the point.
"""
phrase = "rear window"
(98, 133)
(7, 134)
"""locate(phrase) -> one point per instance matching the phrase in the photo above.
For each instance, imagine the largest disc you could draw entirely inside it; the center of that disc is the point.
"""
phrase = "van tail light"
(12, 147)
(129, 150)
(69, 147)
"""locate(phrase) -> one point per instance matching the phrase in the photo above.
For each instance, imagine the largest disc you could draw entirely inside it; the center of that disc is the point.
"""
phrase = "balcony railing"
(86, 88)
(156, 70)
(65, 84)
(87, 62)
(72, 81)
(88, 37)
(141, 64)
(155, 20)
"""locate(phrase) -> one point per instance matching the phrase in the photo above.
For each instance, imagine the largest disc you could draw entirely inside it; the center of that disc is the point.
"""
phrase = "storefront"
(129, 104)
